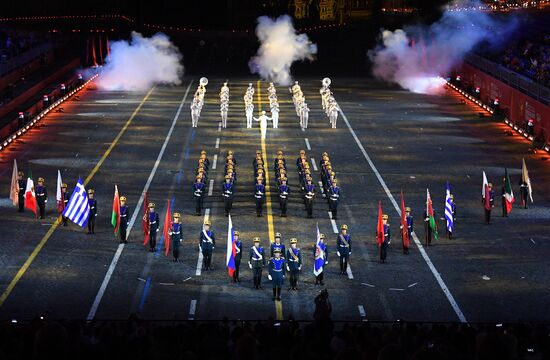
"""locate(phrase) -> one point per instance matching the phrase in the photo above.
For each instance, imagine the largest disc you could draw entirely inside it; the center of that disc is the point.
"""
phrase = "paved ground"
(412, 141)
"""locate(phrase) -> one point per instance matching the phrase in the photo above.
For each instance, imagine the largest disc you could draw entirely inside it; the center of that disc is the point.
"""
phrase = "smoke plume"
(140, 63)
(280, 47)
(419, 56)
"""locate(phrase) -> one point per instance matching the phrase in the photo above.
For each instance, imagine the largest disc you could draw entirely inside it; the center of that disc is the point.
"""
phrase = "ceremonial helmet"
(203, 81)
(302, 152)
(277, 235)
(258, 152)
(123, 198)
(407, 209)
(385, 217)
(334, 181)
(276, 251)
(176, 215)
(322, 236)
(20, 173)
(90, 191)
(207, 222)
(260, 171)
(256, 239)
(344, 227)
(293, 240)
(203, 152)
(236, 233)
(326, 81)
(279, 152)
(229, 152)
(64, 186)
(198, 177)
(283, 178)
(325, 153)
(151, 205)
(227, 177)
(452, 197)
(40, 179)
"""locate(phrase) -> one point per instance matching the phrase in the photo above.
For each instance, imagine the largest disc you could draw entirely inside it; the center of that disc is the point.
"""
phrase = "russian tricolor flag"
(230, 248)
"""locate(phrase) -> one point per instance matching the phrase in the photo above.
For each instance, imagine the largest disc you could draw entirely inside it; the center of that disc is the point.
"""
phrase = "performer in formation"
(263, 123)
(276, 273)
(294, 263)
(343, 245)
(207, 243)
(198, 102)
(259, 187)
(279, 168)
(320, 251)
(238, 256)
(41, 196)
(224, 104)
(387, 239)
(256, 262)
(92, 203)
(306, 182)
(273, 105)
(124, 219)
(199, 187)
(153, 222)
(176, 237)
(249, 105)
(330, 106)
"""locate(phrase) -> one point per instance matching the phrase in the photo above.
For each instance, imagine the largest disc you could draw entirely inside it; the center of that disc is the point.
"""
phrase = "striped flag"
(167, 228)
(449, 209)
(430, 214)
(508, 193)
(525, 178)
(30, 195)
(231, 252)
(115, 215)
(14, 188)
(59, 197)
(78, 209)
(319, 255)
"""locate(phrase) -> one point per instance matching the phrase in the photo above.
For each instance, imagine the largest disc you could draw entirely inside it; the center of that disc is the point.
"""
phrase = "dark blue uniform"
(294, 264)
(309, 194)
(207, 243)
(65, 198)
(91, 217)
(153, 229)
(284, 192)
(176, 237)
(343, 244)
(198, 194)
(238, 258)
(275, 246)
(41, 199)
(324, 248)
(276, 270)
(333, 200)
(257, 262)
(259, 195)
(227, 193)
(21, 194)
(124, 218)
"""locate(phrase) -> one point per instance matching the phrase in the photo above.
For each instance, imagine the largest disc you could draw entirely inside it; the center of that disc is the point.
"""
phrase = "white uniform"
(263, 123)
(333, 114)
(304, 116)
(275, 116)
(194, 114)
(224, 107)
(249, 109)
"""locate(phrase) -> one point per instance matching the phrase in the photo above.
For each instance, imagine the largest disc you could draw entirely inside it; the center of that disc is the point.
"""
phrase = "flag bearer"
(93, 211)
(387, 239)
(66, 196)
(22, 187)
(321, 252)
(123, 219)
(41, 196)
(238, 256)
(153, 219)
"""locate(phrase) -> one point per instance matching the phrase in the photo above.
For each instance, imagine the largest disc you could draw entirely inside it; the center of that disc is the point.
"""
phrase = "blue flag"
(78, 209)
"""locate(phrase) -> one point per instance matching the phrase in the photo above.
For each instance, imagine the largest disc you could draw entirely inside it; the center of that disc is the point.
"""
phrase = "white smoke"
(280, 47)
(140, 63)
(418, 57)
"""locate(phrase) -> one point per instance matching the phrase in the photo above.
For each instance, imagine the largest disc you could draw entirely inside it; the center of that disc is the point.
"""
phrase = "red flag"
(404, 225)
(115, 216)
(487, 199)
(145, 221)
(60, 196)
(30, 196)
(167, 226)
(380, 226)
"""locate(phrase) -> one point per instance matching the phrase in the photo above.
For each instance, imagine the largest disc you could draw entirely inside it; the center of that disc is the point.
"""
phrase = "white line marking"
(369, 285)
(140, 279)
(192, 309)
(413, 284)
(307, 143)
(314, 164)
(333, 223)
(217, 143)
(220, 127)
(167, 284)
(350, 274)
(136, 212)
(362, 311)
(425, 256)
(215, 162)
(198, 271)
(395, 289)
(211, 187)
(533, 241)
(189, 278)
(321, 187)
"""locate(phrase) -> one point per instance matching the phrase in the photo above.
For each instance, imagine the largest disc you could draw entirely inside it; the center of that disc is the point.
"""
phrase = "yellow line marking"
(270, 228)
(46, 237)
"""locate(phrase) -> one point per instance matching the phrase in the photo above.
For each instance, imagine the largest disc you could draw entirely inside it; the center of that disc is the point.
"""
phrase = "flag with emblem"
(145, 220)
(525, 179)
(115, 215)
(59, 196)
(167, 226)
(508, 193)
(380, 226)
(78, 209)
(404, 225)
(30, 196)
(14, 188)
(319, 255)
(231, 251)
(449, 209)
(430, 215)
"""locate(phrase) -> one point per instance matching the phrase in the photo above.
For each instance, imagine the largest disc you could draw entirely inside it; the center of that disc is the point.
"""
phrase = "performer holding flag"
(488, 198)
(234, 252)
(78, 209)
(115, 216)
(430, 225)
(321, 258)
(449, 212)
(62, 197)
(382, 233)
(405, 227)
(30, 196)
(507, 194)
(525, 186)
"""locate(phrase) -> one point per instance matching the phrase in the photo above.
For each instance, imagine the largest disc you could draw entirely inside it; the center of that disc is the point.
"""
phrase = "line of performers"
(224, 103)
(330, 106)
(199, 186)
(198, 102)
(300, 104)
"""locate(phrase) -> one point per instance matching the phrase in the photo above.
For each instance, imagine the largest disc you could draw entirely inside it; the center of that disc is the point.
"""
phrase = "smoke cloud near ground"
(280, 46)
(140, 63)
(417, 57)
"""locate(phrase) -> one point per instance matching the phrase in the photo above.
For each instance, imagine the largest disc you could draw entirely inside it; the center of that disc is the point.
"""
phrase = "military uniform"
(22, 182)
(176, 236)
(284, 191)
(198, 194)
(334, 199)
(256, 262)
(228, 194)
(259, 195)
(294, 263)
(93, 211)
(387, 239)
(277, 274)
(491, 204)
(309, 195)
(428, 232)
(124, 219)
(238, 257)
(65, 199)
(410, 228)
(323, 247)
(207, 242)
(523, 190)
(154, 225)
(453, 214)
(503, 201)
(41, 196)
(343, 244)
